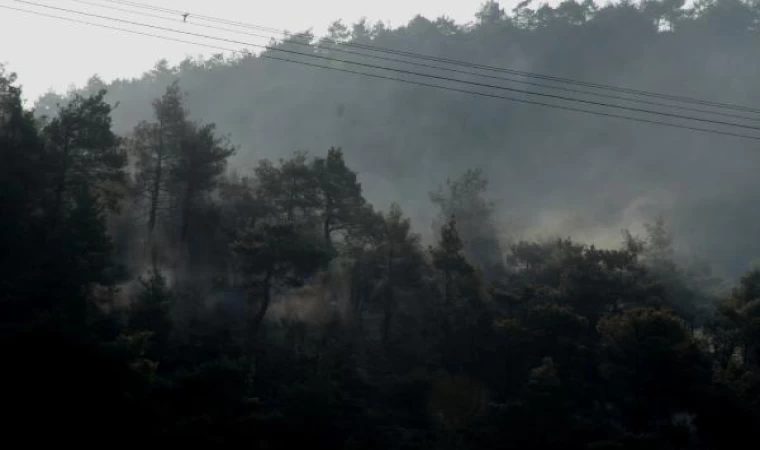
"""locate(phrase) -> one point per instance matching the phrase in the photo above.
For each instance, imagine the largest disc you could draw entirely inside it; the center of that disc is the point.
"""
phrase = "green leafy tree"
(84, 153)
(338, 31)
(158, 146)
(593, 282)
(64, 178)
(449, 260)
(275, 256)
(179, 164)
(149, 312)
(658, 247)
(290, 189)
(361, 253)
(465, 199)
(686, 290)
(202, 160)
(654, 365)
(240, 205)
(397, 261)
(464, 299)
(23, 188)
(736, 327)
(340, 195)
(490, 13)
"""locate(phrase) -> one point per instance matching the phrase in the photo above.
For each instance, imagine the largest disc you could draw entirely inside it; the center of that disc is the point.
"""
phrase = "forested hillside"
(552, 173)
(232, 252)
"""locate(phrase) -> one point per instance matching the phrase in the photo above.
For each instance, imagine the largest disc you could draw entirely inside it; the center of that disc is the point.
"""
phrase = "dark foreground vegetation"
(150, 295)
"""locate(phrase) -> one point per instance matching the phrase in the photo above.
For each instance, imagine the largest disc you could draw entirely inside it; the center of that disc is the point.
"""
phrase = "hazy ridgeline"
(552, 173)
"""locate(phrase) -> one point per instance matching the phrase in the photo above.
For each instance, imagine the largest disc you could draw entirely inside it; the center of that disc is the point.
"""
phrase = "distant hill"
(551, 172)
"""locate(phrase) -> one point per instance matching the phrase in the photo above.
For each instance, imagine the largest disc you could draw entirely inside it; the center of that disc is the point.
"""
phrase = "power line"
(435, 67)
(558, 79)
(402, 80)
(409, 72)
(108, 27)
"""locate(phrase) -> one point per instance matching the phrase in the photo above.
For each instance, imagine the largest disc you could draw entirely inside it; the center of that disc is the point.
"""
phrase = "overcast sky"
(51, 53)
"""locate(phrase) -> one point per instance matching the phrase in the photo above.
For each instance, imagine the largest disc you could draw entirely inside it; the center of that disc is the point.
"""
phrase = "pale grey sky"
(49, 53)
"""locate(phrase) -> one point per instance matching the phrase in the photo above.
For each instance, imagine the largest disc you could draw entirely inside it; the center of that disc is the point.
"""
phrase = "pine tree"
(83, 153)
(56, 189)
(340, 195)
(465, 198)
(23, 187)
(658, 248)
(449, 260)
(179, 164)
(274, 256)
(289, 189)
(398, 262)
(149, 311)
(200, 163)
(157, 146)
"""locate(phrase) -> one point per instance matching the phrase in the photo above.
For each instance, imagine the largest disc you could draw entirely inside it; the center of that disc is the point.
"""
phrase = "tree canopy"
(200, 266)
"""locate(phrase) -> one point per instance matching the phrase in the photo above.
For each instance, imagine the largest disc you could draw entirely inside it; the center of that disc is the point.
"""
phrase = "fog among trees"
(243, 250)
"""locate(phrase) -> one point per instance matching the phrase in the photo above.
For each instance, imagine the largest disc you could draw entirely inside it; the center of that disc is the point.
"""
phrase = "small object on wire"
(184, 17)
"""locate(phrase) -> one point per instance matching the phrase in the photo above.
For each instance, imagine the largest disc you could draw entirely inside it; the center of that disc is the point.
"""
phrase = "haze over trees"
(588, 177)
(217, 260)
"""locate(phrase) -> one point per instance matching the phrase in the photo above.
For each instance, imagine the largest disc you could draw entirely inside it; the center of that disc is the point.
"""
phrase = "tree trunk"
(326, 230)
(153, 254)
(186, 208)
(263, 307)
(291, 200)
(389, 300)
(360, 295)
(61, 188)
(388, 316)
(447, 288)
(155, 193)
(155, 196)
(153, 213)
(328, 221)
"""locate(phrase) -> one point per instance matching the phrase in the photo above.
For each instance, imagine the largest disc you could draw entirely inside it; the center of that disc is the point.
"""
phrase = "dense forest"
(588, 177)
(243, 251)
